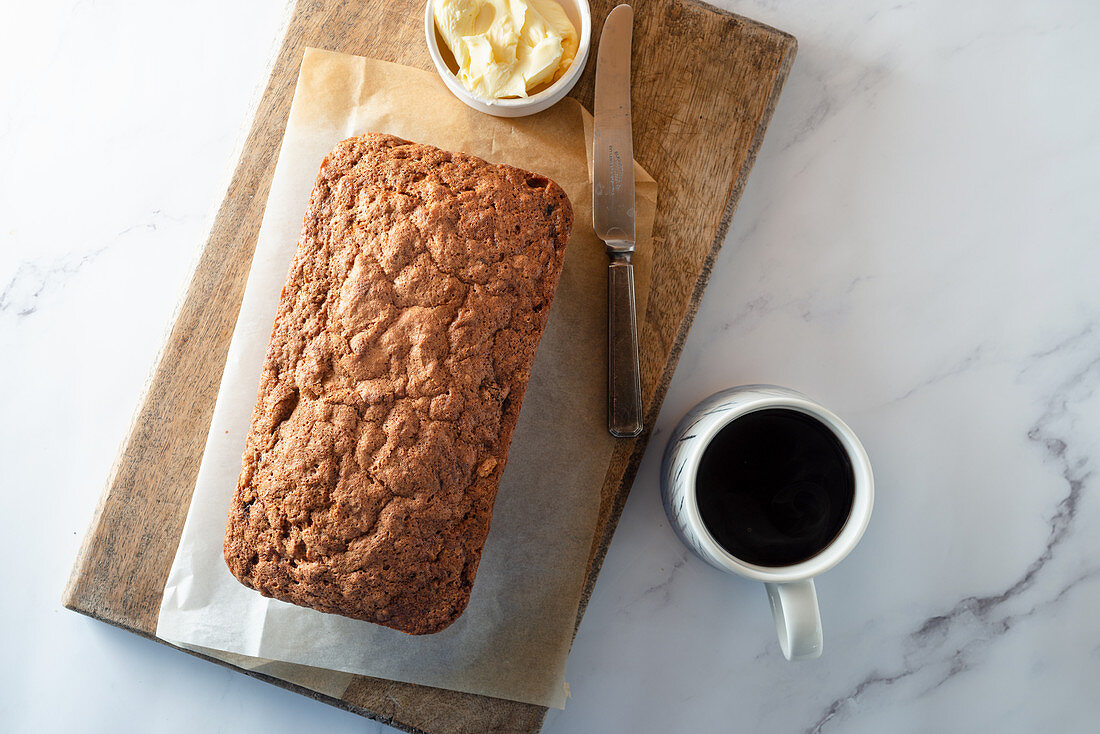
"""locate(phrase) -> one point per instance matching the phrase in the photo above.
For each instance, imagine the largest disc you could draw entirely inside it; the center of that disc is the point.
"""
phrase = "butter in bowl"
(508, 58)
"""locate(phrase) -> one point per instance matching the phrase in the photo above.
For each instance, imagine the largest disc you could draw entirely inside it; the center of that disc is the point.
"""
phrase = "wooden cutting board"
(705, 84)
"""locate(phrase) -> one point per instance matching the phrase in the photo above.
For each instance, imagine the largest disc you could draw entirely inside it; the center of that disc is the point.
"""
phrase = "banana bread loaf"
(393, 379)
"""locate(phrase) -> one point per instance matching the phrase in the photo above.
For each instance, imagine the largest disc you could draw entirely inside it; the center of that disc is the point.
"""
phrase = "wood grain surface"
(705, 84)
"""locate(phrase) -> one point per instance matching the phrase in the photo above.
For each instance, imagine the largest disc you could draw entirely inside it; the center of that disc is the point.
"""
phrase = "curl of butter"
(506, 48)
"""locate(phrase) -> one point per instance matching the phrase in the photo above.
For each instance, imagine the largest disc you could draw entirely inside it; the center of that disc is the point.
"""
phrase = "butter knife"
(613, 219)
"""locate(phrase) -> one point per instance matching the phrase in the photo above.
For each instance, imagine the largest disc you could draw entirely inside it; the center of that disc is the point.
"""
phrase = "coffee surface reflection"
(775, 487)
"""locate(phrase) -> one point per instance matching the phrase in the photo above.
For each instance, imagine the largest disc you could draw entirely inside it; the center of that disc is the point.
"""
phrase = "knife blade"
(613, 169)
(613, 218)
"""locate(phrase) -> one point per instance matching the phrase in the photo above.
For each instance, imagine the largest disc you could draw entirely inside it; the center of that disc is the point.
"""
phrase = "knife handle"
(624, 384)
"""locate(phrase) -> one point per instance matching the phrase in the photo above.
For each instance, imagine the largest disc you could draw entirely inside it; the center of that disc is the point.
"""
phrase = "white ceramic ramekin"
(578, 12)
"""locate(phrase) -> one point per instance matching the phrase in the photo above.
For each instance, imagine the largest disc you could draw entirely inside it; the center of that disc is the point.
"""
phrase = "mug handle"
(797, 619)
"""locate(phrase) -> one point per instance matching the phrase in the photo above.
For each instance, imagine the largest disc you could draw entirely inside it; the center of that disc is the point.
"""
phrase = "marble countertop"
(918, 248)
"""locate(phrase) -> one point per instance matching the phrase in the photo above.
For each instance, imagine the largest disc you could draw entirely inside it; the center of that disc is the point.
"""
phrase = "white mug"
(790, 588)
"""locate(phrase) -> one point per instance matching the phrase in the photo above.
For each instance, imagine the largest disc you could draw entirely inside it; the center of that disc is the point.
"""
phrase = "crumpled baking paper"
(514, 637)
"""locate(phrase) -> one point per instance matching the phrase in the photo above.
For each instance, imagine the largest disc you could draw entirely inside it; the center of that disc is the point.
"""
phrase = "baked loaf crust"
(394, 376)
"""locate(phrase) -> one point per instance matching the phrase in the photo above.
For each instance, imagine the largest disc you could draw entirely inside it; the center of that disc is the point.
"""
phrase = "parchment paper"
(513, 639)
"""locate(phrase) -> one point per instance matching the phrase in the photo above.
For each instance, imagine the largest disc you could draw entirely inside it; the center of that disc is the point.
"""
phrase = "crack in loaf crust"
(397, 364)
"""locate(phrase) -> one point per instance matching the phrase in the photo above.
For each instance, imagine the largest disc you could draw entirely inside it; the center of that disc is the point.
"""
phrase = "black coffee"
(775, 487)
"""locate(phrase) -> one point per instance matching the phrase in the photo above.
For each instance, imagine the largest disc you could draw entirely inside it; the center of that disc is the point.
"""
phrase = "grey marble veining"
(31, 280)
